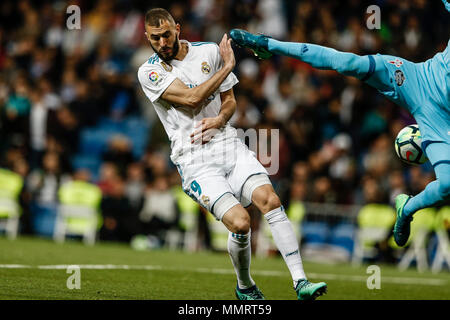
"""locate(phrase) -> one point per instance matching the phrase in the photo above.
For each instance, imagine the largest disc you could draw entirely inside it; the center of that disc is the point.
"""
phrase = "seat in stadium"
(218, 233)
(421, 226)
(78, 211)
(43, 218)
(315, 233)
(92, 162)
(375, 222)
(189, 211)
(138, 130)
(442, 225)
(111, 125)
(10, 186)
(94, 141)
(342, 235)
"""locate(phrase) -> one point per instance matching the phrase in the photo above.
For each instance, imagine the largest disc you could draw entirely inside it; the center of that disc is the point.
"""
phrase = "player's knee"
(223, 205)
(241, 224)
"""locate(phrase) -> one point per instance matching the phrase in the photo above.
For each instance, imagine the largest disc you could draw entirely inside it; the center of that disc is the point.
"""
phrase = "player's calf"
(269, 202)
(265, 198)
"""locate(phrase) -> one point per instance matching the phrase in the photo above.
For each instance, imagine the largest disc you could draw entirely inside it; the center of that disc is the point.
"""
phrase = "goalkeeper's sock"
(320, 57)
(438, 191)
(286, 241)
(425, 199)
(239, 249)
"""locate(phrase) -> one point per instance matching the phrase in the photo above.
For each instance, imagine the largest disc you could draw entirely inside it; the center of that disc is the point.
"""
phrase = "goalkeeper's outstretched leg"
(421, 88)
(320, 57)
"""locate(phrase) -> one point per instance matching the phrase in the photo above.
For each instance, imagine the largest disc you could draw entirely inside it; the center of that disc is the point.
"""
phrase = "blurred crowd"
(336, 133)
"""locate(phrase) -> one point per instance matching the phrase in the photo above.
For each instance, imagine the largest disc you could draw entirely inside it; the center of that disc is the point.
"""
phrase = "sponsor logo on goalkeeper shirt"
(397, 62)
(399, 77)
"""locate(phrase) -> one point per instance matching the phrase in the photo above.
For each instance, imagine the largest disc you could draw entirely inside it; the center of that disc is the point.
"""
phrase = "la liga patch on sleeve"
(154, 77)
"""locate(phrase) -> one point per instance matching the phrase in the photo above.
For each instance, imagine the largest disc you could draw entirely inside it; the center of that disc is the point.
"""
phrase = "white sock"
(239, 249)
(286, 241)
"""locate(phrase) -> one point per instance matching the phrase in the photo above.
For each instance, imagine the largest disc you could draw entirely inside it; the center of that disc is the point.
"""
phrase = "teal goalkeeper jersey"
(422, 88)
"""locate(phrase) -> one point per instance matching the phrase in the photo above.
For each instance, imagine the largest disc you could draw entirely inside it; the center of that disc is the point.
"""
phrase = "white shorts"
(216, 169)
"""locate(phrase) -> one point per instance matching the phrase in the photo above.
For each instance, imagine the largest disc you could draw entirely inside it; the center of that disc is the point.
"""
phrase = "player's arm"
(206, 129)
(368, 68)
(178, 93)
(228, 107)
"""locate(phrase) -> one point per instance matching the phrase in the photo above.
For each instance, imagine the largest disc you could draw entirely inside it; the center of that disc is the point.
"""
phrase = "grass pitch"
(35, 268)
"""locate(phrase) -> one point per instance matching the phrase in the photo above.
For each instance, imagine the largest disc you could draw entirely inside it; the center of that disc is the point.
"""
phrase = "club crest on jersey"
(166, 66)
(397, 62)
(205, 199)
(154, 77)
(205, 67)
(399, 77)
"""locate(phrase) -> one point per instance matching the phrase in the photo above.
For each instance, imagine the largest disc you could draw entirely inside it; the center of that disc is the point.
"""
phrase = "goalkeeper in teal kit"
(422, 88)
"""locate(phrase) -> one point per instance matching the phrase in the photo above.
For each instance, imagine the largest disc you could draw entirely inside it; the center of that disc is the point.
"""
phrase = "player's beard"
(175, 49)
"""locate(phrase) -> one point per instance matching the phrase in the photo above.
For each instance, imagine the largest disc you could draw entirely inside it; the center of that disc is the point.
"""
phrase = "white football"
(408, 145)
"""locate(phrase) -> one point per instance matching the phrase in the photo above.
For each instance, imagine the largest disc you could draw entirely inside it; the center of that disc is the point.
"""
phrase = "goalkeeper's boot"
(252, 293)
(309, 291)
(257, 43)
(402, 227)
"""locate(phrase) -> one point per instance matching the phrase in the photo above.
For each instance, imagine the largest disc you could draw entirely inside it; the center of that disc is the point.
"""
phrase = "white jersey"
(201, 62)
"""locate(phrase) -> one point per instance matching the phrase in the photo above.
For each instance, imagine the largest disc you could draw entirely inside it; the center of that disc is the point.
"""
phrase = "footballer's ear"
(147, 32)
(177, 29)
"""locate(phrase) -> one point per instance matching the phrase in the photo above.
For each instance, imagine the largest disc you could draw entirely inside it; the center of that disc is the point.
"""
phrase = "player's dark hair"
(154, 16)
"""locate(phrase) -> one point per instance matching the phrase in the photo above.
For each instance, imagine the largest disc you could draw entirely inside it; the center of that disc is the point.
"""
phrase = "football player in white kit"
(190, 85)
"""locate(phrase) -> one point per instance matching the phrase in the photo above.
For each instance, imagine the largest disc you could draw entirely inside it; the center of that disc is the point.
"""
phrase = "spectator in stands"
(323, 190)
(246, 115)
(397, 185)
(119, 152)
(85, 107)
(44, 182)
(119, 219)
(160, 211)
(38, 123)
(17, 110)
(63, 127)
(135, 185)
(108, 174)
(22, 168)
(375, 198)
(50, 98)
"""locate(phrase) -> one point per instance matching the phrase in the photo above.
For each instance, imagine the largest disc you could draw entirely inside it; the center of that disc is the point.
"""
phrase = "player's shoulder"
(206, 50)
(205, 44)
(154, 62)
(152, 66)
(202, 45)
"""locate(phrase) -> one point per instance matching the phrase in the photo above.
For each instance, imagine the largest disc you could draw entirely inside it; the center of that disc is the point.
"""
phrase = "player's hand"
(227, 52)
(206, 129)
